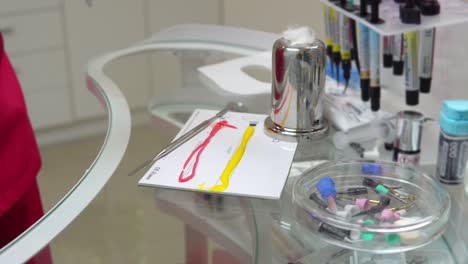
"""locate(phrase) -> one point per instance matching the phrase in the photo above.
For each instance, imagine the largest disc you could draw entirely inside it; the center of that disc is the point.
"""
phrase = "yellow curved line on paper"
(232, 164)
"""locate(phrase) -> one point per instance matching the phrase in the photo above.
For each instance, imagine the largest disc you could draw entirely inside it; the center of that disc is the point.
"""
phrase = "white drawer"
(9, 6)
(40, 71)
(49, 107)
(32, 31)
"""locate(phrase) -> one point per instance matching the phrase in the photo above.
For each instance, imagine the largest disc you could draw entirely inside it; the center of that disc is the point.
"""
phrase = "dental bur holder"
(297, 90)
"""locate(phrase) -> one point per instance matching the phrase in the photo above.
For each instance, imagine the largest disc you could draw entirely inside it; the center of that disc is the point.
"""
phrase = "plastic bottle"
(453, 142)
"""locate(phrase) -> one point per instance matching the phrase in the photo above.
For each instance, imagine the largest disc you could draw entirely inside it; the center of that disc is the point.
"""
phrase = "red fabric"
(26, 211)
(20, 203)
(19, 154)
(223, 257)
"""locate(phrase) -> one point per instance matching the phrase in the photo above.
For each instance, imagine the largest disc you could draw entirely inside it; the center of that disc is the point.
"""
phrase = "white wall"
(274, 15)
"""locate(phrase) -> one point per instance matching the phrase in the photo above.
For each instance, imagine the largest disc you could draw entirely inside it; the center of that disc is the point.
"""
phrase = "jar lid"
(455, 109)
(453, 127)
(454, 117)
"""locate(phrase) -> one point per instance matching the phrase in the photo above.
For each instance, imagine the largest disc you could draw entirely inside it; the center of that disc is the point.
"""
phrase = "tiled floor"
(122, 224)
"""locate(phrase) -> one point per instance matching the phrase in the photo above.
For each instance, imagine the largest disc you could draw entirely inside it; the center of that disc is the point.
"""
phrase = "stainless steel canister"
(407, 146)
(297, 90)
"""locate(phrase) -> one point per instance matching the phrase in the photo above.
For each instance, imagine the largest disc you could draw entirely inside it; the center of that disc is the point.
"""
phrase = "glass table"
(105, 217)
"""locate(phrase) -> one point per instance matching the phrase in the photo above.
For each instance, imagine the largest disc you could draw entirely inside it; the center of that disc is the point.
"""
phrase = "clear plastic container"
(423, 219)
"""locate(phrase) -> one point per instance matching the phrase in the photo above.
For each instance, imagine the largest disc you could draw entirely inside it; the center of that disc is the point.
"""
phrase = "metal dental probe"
(231, 106)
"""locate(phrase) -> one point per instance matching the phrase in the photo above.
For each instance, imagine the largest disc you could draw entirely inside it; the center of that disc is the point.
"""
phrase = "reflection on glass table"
(130, 224)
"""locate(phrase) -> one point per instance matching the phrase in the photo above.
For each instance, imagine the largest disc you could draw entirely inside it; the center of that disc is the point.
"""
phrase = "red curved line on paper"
(199, 150)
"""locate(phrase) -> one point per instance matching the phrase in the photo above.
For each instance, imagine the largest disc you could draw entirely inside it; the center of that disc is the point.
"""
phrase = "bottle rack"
(451, 12)
(446, 84)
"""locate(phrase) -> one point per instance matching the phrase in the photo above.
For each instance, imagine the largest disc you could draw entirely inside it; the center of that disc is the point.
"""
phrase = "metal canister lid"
(409, 131)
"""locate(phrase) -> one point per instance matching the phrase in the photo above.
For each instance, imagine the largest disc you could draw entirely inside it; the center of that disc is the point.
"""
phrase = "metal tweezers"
(231, 106)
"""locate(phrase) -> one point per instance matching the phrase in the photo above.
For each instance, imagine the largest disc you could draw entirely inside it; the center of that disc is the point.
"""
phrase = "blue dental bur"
(327, 190)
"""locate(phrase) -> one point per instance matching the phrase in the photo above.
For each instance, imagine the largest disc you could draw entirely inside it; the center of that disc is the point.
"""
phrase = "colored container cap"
(382, 189)
(454, 117)
(326, 188)
(368, 236)
(410, 14)
(392, 239)
(388, 215)
(398, 67)
(429, 7)
(363, 203)
(455, 109)
(374, 169)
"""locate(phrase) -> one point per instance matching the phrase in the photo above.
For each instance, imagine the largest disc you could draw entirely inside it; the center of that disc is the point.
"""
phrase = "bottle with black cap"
(363, 8)
(343, 3)
(429, 7)
(336, 49)
(346, 44)
(407, 147)
(397, 50)
(387, 51)
(364, 59)
(411, 68)
(354, 49)
(348, 6)
(374, 17)
(453, 142)
(328, 33)
(374, 89)
(410, 13)
(426, 59)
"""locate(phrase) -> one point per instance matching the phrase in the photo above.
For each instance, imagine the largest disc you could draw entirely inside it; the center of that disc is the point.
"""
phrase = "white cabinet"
(44, 80)
(49, 107)
(29, 32)
(41, 70)
(16, 6)
(34, 40)
(50, 43)
(91, 31)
